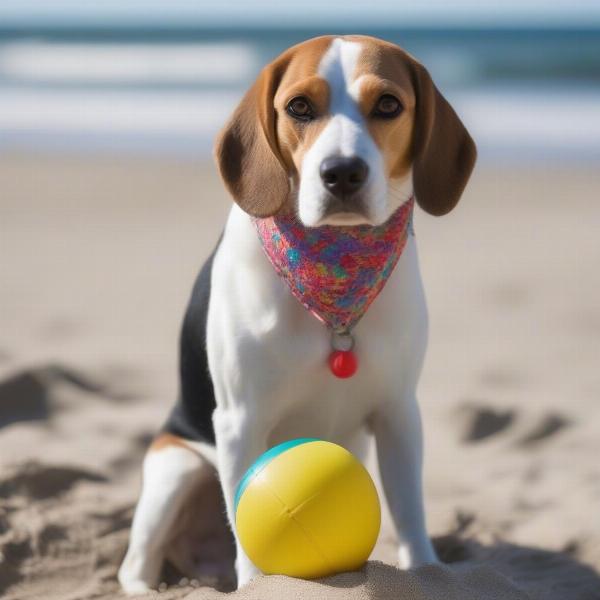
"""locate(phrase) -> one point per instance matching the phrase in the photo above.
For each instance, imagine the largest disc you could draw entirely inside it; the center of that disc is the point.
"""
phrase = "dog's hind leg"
(173, 474)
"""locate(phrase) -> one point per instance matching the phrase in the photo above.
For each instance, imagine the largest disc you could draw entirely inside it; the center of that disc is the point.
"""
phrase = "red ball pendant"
(343, 363)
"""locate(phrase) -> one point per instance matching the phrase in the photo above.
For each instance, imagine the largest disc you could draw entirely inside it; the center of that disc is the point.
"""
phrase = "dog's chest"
(265, 349)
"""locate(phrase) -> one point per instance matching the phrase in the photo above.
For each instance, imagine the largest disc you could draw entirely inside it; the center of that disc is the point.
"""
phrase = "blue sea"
(526, 94)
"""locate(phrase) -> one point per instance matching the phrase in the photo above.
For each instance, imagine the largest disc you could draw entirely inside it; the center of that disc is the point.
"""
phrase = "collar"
(336, 272)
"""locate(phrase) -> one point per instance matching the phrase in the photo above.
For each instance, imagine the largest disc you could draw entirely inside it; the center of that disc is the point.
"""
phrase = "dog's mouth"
(346, 211)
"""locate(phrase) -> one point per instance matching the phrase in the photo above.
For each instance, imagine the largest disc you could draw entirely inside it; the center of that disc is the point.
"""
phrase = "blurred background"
(160, 77)
(109, 203)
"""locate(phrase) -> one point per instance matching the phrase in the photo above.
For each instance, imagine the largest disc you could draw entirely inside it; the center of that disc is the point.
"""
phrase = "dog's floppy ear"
(444, 153)
(247, 153)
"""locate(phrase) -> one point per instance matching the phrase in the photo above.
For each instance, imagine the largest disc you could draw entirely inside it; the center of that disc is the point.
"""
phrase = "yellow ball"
(307, 508)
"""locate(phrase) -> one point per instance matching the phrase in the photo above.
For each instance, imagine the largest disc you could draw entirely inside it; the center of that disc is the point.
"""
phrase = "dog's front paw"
(411, 556)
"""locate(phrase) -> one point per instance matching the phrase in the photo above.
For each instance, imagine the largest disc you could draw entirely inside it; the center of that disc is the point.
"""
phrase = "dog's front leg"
(397, 428)
(239, 443)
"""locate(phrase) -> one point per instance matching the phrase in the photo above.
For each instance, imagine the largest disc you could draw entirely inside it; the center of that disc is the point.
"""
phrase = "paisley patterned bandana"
(335, 272)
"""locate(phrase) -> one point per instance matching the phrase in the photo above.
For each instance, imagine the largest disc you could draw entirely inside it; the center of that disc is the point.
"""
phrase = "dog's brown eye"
(300, 109)
(387, 107)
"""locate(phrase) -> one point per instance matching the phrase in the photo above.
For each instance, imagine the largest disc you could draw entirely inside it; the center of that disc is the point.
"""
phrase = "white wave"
(548, 121)
(107, 112)
(513, 124)
(132, 63)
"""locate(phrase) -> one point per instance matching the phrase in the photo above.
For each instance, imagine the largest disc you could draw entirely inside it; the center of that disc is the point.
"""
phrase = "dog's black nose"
(343, 175)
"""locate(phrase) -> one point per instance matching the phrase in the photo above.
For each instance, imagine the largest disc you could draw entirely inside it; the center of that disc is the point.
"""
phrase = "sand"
(97, 258)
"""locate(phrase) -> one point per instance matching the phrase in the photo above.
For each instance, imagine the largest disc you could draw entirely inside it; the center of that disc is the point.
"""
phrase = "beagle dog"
(339, 132)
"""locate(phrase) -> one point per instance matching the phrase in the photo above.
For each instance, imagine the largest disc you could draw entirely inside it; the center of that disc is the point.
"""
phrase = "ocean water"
(525, 94)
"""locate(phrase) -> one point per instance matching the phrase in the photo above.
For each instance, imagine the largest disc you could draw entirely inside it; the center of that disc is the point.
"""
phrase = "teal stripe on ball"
(263, 460)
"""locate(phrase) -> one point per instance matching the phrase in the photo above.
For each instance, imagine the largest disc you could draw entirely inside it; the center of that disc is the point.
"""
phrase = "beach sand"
(97, 258)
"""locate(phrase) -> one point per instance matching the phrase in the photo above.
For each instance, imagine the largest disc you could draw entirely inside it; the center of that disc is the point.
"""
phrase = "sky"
(276, 12)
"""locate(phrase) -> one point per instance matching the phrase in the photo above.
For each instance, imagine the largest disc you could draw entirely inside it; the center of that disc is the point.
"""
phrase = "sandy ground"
(97, 258)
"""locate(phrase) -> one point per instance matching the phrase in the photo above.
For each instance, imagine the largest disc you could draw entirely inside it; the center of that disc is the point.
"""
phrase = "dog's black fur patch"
(191, 417)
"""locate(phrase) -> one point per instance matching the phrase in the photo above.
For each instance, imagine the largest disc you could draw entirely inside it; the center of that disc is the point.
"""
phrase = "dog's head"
(346, 129)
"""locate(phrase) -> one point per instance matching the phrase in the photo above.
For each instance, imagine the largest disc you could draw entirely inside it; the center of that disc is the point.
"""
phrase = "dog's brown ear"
(247, 153)
(444, 153)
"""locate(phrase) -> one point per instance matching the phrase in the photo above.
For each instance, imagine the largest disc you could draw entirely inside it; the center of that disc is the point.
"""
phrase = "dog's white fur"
(266, 355)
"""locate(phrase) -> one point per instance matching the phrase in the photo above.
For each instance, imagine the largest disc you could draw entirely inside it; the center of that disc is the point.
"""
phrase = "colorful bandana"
(335, 271)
